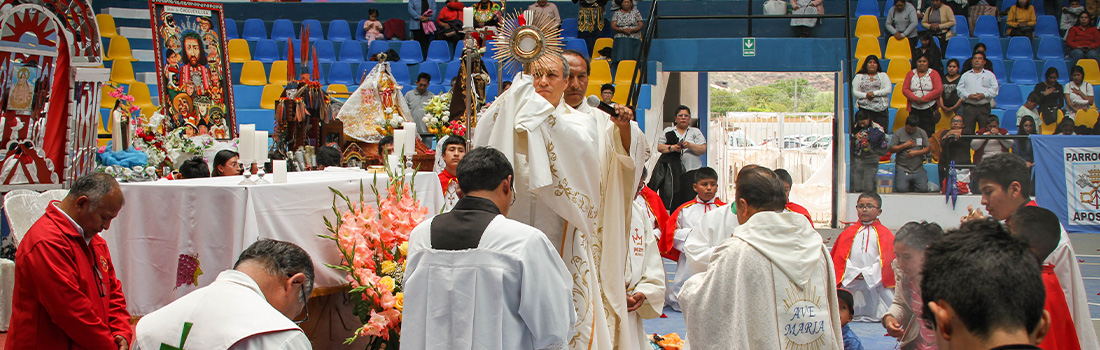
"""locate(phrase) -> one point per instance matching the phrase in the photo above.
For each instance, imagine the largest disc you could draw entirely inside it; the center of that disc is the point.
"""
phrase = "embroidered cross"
(183, 338)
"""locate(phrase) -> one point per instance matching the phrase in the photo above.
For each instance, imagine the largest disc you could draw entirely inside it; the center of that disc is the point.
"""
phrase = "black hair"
(1077, 69)
(1051, 70)
(993, 118)
(424, 76)
(911, 121)
(863, 68)
(862, 114)
(482, 169)
(587, 61)
(1004, 169)
(873, 196)
(1034, 96)
(281, 259)
(683, 108)
(784, 176)
(1038, 227)
(1020, 127)
(953, 60)
(972, 56)
(1023, 7)
(705, 173)
(453, 140)
(328, 156)
(606, 87)
(979, 45)
(194, 168)
(506, 84)
(918, 235)
(760, 188)
(372, 12)
(93, 186)
(970, 270)
(386, 140)
(220, 159)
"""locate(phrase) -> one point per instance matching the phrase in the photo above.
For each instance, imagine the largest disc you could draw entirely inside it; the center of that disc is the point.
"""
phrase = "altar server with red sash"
(788, 181)
(862, 256)
(1041, 230)
(681, 222)
(453, 149)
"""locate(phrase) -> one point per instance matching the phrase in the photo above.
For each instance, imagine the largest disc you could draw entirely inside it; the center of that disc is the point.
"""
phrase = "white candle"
(279, 169)
(246, 142)
(398, 141)
(261, 148)
(394, 162)
(468, 17)
(410, 138)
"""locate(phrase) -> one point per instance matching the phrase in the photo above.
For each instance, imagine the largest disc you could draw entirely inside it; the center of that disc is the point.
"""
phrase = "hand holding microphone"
(620, 115)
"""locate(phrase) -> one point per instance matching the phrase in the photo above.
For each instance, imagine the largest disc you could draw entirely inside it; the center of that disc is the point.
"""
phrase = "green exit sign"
(748, 47)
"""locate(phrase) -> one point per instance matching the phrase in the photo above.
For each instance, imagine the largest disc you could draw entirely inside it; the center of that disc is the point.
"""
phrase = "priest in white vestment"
(575, 180)
(770, 286)
(478, 280)
(645, 278)
(248, 307)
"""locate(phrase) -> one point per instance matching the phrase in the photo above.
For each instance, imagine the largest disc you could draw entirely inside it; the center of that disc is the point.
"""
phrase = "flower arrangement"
(135, 174)
(119, 93)
(164, 148)
(373, 244)
(386, 125)
(436, 119)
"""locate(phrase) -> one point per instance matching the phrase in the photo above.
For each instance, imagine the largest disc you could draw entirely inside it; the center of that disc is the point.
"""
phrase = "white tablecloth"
(215, 219)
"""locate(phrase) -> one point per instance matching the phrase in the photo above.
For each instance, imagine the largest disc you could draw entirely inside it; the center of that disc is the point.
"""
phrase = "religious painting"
(192, 67)
(21, 92)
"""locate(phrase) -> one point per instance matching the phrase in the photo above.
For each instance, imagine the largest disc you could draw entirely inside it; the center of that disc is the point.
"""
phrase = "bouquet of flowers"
(373, 243)
(127, 104)
(386, 126)
(164, 148)
(435, 115)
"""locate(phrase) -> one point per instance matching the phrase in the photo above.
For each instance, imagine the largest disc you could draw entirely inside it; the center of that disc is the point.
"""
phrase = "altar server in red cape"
(453, 149)
(1040, 229)
(655, 208)
(862, 256)
(788, 181)
(681, 222)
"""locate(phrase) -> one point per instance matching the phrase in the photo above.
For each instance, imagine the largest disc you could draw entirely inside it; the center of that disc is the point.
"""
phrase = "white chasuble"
(574, 182)
(645, 273)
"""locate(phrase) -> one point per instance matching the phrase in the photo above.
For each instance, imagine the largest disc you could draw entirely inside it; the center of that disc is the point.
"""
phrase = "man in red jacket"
(66, 294)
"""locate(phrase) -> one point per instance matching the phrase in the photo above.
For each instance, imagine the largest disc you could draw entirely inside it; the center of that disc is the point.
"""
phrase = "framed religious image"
(21, 92)
(196, 90)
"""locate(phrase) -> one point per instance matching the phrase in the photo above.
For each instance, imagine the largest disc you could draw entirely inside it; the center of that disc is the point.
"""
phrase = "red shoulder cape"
(843, 247)
(801, 210)
(656, 206)
(668, 233)
(1063, 335)
(445, 179)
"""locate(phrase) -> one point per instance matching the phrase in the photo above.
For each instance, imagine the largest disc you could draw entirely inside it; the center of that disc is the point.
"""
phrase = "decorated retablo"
(376, 107)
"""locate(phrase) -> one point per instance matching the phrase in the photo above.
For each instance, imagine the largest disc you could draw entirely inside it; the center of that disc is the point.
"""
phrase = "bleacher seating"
(962, 27)
(363, 69)
(993, 48)
(984, 27)
(867, 27)
(1019, 48)
(1060, 65)
(578, 45)
(253, 73)
(452, 71)
(122, 71)
(1023, 72)
(624, 72)
(898, 49)
(351, 51)
(867, 8)
(897, 70)
(866, 47)
(1046, 26)
(340, 73)
(897, 99)
(238, 51)
(231, 29)
(603, 43)
(400, 73)
(282, 29)
(377, 47)
(1009, 97)
(326, 53)
(438, 52)
(432, 69)
(278, 74)
(1008, 120)
(1092, 71)
(119, 49)
(411, 52)
(360, 34)
(1050, 48)
(999, 71)
(338, 31)
(270, 95)
(569, 27)
(106, 25)
(601, 73)
(254, 29)
(267, 51)
(315, 32)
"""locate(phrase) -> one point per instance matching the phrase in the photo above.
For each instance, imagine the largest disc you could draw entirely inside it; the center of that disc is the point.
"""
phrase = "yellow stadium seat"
(899, 119)
(119, 49)
(278, 73)
(107, 101)
(338, 88)
(593, 89)
(270, 95)
(1092, 71)
(620, 94)
(1086, 117)
(252, 73)
(122, 72)
(866, 47)
(898, 49)
(238, 51)
(1049, 129)
(142, 96)
(106, 25)
(148, 111)
(897, 99)
(601, 72)
(867, 26)
(600, 44)
(624, 74)
(945, 120)
(897, 71)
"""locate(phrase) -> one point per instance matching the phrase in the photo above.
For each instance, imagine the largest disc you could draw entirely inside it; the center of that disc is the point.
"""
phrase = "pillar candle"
(410, 138)
(394, 162)
(468, 17)
(246, 142)
(261, 148)
(398, 141)
(279, 169)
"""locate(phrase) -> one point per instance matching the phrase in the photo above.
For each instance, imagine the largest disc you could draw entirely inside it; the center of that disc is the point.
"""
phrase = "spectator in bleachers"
(952, 148)
(958, 7)
(929, 48)
(627, 21)
(871, 87)
(939, 20)
(1079, 93)
(607, 92)
(949, 99)
(901, 22)
(922, 88)
(985, 148)
(590, 20)
(372, 28)
(1022, 147)
(1066, 127)
(417, 99)
(1030, 107)
(1051, 97)
(1070, 13)
(450, 22)
(868, 142)
(980, 8)
(968, 65)
(977, 88)
(1083, 39)
(806, 7)
(1021, 19)
(421, 11)
(547, 8)
(910, 145)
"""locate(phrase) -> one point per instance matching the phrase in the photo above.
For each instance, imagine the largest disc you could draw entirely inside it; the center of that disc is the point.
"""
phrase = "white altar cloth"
(214, 219)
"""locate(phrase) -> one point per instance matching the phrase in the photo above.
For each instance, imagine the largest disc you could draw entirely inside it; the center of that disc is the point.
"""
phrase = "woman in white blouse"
(1078, 93)
(922, 87)
(871, 88)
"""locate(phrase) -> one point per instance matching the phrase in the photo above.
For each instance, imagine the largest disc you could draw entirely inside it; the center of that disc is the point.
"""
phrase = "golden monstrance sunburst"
(534, 44)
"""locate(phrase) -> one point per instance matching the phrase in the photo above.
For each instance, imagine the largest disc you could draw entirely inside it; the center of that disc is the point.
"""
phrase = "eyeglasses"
(866, 207)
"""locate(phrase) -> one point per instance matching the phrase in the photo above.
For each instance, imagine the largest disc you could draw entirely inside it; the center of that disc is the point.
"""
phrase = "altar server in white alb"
(770, 286)
(645, 277)
(248, 307)
(478, 280)
(681, 222)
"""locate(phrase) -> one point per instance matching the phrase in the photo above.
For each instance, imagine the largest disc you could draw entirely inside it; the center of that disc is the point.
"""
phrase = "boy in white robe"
(681, 222)
(862, 256)
(770, 286)
(451, 150)
(645, 279)
(478, 280)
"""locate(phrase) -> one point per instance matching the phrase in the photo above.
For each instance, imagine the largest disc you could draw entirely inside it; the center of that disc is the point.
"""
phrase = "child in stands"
(372, 28)
(862, 256)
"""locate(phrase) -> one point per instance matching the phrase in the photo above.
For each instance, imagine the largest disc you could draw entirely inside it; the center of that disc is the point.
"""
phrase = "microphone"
(595, 102)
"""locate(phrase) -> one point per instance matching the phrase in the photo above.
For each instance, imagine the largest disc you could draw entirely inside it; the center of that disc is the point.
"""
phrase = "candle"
(410, 138)
(468, 17)
(261, 148)
(394, 162)
(398, 141)
(279, 169)
(246, 142)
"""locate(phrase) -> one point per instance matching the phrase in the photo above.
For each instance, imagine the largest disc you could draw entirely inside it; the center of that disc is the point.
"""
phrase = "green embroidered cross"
(183, 338)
